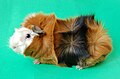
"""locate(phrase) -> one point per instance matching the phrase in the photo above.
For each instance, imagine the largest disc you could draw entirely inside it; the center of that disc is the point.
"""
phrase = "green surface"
(14, 66)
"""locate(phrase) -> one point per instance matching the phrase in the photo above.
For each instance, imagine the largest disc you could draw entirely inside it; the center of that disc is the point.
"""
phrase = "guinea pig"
(79, 41)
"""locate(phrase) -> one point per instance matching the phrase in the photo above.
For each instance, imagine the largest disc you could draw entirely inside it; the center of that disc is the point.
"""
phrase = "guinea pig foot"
(36, 61)
(79, 67)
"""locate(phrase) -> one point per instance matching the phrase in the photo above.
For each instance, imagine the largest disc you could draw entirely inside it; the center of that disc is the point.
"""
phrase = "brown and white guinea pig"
(78, 41)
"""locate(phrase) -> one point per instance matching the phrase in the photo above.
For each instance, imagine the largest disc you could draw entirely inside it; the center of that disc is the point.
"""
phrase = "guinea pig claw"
(79, 67)
(36, 61)
(24, 56)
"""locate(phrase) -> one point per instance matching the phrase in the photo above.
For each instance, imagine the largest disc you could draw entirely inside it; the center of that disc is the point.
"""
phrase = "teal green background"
(13, 12)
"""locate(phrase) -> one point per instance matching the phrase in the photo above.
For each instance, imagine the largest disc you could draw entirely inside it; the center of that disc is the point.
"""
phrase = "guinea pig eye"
(28, 36)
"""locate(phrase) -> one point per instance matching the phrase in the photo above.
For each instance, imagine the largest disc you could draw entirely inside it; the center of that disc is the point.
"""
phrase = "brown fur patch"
(42, 47)
(99, 43)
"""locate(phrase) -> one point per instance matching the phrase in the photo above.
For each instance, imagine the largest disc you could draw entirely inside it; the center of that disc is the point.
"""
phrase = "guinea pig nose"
(14, 47)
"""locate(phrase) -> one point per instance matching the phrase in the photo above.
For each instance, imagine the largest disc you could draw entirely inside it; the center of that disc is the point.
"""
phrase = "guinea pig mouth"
(19, 49)
(15, 48)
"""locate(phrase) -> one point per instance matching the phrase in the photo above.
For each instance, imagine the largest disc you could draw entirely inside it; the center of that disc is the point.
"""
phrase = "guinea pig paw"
(79, 67)
(36, 61)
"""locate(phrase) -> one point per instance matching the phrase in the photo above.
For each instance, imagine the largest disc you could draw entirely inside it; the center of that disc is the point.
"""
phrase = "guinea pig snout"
(14, 47)
(12, 43)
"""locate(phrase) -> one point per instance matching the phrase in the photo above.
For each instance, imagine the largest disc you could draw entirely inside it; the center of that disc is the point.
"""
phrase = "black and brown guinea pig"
(79, 41)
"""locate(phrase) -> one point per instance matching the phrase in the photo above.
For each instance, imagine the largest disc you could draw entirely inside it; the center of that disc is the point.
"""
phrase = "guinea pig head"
(23, 37)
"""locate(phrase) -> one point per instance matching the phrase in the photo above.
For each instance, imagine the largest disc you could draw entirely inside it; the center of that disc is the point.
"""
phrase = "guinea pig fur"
(79, 41)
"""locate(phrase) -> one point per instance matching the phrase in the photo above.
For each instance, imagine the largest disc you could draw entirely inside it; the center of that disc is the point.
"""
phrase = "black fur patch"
(73, 45)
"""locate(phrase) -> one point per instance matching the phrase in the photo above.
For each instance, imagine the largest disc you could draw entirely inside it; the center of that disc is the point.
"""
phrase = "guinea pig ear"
(37, 30)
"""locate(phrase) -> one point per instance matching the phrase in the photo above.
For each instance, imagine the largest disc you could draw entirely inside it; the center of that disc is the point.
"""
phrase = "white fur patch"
(30, 16)
(19, 42)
